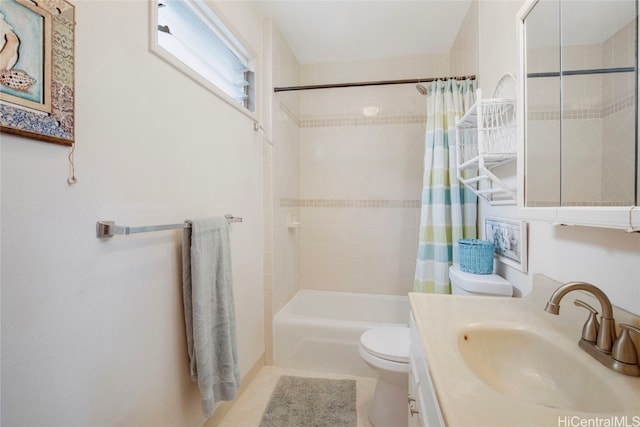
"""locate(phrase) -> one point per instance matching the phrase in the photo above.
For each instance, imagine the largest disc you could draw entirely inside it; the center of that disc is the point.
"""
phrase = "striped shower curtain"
(448, 209)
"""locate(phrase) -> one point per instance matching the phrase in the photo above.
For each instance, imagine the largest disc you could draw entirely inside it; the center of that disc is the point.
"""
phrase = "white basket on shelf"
(467, 144)
(497, 126)
(489, 128)
(486, 137)
(506, 87)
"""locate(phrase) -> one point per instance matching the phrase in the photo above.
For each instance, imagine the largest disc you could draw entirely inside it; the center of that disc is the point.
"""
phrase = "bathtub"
(320, 330)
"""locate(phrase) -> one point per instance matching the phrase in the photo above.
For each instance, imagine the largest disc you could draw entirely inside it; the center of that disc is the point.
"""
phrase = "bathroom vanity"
(505, 361)
(424, 410)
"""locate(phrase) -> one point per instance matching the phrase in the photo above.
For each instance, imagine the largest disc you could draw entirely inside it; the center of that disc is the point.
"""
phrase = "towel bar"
(109, 228)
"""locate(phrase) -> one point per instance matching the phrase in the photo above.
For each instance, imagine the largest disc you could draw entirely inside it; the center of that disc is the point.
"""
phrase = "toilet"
(386, 350)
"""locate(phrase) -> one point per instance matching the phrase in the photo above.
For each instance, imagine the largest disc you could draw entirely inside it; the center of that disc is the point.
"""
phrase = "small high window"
(190, 32)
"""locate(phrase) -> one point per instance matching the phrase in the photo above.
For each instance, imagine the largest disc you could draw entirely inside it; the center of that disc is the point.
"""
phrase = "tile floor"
(249, 408)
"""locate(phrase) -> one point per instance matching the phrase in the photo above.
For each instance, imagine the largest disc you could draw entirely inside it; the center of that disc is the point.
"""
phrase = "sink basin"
(523, 364)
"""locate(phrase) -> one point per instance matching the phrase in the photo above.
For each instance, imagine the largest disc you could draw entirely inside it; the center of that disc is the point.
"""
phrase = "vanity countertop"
(484, 386)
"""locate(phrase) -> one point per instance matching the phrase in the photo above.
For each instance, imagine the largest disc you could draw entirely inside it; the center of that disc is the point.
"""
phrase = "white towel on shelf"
(209, 311)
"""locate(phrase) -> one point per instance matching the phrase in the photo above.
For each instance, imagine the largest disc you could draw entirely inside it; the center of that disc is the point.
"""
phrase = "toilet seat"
(387, 343)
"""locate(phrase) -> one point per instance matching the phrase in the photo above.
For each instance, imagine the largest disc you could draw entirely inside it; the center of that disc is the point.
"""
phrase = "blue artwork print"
(505, 238)
(21, 52)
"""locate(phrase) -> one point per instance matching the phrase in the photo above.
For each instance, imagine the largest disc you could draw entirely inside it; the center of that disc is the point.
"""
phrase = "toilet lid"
(484, 284)
(389, 343)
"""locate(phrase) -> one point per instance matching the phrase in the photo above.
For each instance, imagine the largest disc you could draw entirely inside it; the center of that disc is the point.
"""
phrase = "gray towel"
(209, 311)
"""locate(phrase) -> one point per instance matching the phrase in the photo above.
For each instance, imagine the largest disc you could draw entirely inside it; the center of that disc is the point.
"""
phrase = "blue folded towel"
(209, 311)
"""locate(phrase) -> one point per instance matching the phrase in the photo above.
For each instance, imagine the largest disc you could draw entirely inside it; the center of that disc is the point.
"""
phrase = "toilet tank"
(463, 283)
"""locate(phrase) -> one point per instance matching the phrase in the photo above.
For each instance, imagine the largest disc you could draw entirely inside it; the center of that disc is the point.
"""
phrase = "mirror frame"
(625, 218)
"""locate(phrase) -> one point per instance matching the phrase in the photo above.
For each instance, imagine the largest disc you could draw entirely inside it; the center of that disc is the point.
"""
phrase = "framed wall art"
(510, 241)
(37, 69)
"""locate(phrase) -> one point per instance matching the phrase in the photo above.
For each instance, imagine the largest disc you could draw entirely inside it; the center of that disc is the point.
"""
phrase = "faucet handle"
(591, 326)
(623, 349)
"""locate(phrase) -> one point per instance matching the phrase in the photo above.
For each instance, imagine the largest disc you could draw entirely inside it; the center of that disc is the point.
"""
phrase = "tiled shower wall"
(360, 176)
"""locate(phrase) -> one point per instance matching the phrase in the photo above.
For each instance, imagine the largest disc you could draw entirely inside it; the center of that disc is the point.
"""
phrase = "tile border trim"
(328, 122)
(342, 203)
(585, 113)
(342, 121)
(534, 204)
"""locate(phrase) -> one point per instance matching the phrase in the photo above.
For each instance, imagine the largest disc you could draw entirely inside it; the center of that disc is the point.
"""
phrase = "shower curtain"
(448, 209)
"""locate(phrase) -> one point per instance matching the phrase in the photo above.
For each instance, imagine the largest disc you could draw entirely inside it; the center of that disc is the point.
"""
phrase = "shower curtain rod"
(583, 72)
(373, 83)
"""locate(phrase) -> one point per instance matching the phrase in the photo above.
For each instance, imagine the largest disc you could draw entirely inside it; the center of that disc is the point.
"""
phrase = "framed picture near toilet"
(37, 70)
(509, 240)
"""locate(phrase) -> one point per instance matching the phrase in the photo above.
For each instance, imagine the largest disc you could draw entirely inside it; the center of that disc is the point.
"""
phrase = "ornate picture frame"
(510, 241)
(37, 93)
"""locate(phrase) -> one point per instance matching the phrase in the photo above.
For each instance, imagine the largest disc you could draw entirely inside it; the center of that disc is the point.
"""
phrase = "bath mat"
(311, 402)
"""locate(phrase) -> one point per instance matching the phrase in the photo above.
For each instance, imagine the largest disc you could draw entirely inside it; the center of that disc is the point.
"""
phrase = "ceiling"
(336, 31)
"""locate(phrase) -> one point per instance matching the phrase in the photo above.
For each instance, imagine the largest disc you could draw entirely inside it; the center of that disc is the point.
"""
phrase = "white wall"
(464, 52)
(608, 258)
(93, 331)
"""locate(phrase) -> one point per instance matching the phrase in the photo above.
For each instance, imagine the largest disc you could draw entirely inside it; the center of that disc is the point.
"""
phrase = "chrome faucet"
(599, 340)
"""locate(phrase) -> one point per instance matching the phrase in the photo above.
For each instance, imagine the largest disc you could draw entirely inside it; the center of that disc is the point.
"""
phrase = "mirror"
(580, 103)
